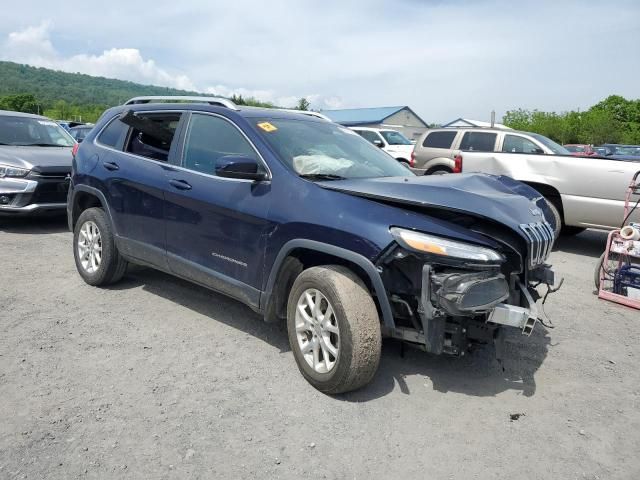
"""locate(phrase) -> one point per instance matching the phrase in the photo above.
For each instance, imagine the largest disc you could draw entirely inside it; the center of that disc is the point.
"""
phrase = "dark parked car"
(35, 164)
(306, 222)
(78, 133)
(622, 152)
(581, 150)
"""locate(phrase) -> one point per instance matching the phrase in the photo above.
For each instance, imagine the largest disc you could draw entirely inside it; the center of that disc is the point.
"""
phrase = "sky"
(444, 59)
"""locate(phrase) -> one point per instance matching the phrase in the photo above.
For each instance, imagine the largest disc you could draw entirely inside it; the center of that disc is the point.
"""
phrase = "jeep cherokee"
(306, 222)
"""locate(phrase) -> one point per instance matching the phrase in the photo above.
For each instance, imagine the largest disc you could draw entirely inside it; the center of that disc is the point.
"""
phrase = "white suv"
(392, 142)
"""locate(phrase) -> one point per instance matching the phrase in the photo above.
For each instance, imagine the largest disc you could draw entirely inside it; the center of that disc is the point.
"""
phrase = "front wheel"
(334, 329)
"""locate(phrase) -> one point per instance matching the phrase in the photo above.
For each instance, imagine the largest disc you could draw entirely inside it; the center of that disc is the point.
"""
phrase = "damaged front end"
(447, 295)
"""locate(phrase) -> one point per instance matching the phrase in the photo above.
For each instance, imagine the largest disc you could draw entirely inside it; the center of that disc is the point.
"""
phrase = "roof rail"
(306, 112)
(218, 101)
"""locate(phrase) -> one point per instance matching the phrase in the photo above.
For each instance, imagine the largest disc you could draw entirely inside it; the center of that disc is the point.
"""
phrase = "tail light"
(75, 149)
(457, 168)
(412, 162)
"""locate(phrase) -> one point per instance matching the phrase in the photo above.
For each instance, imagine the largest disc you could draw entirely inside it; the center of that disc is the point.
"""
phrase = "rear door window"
(439, 139)
(478, 142)
(518, 144)
(151, 134)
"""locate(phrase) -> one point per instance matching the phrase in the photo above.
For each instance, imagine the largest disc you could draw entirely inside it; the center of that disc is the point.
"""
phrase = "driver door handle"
(180, 184)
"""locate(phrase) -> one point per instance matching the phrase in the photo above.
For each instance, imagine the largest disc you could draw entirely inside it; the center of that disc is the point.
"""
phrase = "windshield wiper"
(322, 176)
(42, 145)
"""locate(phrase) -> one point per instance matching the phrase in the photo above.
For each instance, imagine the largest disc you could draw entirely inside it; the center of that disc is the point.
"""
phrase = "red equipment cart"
(617, 275)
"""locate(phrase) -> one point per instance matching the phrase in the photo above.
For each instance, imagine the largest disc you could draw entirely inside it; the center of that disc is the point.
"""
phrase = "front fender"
(367, 266)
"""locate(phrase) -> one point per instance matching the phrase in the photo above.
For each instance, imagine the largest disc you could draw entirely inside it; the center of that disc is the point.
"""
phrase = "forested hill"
(51, 86)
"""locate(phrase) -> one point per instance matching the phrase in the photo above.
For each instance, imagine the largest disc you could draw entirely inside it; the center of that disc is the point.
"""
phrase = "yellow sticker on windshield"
(267, 127)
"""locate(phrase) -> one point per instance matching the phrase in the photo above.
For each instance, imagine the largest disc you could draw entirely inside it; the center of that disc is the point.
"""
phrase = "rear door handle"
(180, 184)
(111, 166)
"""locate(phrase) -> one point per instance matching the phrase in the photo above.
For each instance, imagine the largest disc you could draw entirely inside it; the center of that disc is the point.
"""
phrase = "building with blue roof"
(399, 118)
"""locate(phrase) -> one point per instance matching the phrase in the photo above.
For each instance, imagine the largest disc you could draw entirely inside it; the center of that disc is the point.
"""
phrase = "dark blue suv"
(306, 222)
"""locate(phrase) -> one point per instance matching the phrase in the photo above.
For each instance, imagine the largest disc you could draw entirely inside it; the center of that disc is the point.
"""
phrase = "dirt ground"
(157, 378)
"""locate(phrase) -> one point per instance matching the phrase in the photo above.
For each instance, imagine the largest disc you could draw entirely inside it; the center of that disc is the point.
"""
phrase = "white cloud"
(444, 59)
(33, 46)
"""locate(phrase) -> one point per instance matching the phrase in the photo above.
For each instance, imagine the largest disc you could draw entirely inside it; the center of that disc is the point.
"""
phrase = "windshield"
(24, 131)
(327, 151)
(575, 148)
(395, 138)
(550, 144)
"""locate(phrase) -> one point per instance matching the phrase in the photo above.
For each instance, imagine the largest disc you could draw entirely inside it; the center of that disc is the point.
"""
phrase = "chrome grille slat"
(539, 241)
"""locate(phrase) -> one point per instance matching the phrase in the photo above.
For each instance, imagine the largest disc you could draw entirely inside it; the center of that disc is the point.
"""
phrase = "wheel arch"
(311, 253)
(549, 192)
(85, 197)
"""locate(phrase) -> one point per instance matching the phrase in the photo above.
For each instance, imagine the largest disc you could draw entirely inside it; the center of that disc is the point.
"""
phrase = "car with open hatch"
(308, 223)
(35, 165)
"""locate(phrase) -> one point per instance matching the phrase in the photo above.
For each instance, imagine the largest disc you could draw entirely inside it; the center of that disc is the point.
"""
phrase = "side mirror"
(378, 143)
(239, 166)
(538, 151)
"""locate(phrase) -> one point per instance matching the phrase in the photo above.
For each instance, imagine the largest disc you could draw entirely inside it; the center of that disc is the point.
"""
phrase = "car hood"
(496, 198)
(401, 148)
(31, 157)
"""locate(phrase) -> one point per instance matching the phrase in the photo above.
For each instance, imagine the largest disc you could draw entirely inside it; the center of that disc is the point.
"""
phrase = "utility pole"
(493, 118)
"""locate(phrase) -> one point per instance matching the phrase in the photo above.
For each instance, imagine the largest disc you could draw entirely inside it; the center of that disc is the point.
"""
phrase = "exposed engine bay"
(445, 305)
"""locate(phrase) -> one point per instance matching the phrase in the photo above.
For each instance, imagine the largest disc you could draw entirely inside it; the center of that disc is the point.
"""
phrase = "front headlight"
(9, 171)
(422, 242)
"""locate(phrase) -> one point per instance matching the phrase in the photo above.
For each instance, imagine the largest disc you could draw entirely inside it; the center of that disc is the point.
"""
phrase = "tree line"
(613, 120)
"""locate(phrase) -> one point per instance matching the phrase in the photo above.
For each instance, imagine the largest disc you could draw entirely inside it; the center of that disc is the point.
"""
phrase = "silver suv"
(436, 150)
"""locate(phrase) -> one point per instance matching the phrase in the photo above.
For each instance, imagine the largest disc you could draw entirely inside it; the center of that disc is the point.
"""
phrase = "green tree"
(25, 102)
(303, 104)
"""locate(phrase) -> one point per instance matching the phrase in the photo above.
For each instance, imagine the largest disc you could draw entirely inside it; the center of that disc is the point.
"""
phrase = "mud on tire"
(358, 354)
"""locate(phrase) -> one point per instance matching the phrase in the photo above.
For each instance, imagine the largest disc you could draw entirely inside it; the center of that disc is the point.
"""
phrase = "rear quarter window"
(439, 139)
(478, 142)
(113, 135)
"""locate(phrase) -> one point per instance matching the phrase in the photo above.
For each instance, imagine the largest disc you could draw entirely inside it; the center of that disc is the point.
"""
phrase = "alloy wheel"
(317, 331)
(90, 247)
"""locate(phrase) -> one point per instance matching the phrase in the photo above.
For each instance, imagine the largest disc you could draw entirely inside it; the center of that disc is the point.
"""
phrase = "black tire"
(615, 260)
(596, 272)
(557, 217)
(112, 266)
(438, 171)
(570, 231)
(357, 319)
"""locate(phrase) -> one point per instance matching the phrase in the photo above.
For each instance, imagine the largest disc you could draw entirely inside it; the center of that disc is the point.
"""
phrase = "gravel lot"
(157, 378)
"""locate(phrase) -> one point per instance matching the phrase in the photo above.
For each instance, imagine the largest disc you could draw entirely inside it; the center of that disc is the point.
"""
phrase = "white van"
(392, 142)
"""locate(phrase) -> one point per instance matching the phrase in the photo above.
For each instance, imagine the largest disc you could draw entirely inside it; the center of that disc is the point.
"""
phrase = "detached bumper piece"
(524, 318)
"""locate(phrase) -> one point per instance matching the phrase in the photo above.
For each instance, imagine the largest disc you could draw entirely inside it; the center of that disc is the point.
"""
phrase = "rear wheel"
(557, 218)
(334, 330)
(438, 171)
(567, 230)
(97, 258)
